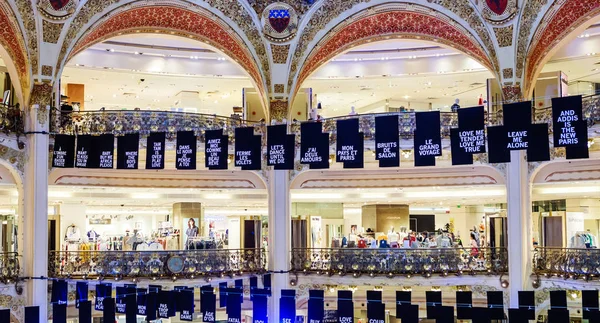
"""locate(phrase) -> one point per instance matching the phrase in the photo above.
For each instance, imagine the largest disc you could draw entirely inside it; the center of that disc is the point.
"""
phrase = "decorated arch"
(179, 19)
(391, 21)
(12, 50)
(563, 22)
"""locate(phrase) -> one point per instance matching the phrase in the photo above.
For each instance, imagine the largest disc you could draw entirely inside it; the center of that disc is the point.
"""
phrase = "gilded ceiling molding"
(301, 7)
(230, 9)
(387, 22)
(558, 23)
(504, 36)
(13, 42)
(51, 31)
(175, 20)
(27, 14)
(528, 17)
(13, 158)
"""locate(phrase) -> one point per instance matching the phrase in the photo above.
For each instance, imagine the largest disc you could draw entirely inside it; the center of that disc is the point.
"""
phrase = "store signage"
(517, 121)
(287, 306)
(215, 149)
(82, 155)
(387, 137)
(186, 150)
(314, 146)
(155, 151)
(128, 148)
(59, 292)
(102, 291)
(141, 301)
(121, 305)
(427, 140)
(81, 290)
(108, 312)
(349, 144)
(280, 147)
(234, 306)
(185, 305)
(166, 304)
(247, 149)
(469, 137)
(59, 313)
(64, 151)
(345, 312)
(316, 306)
(208, 304)
(259, 306)
(104, 146)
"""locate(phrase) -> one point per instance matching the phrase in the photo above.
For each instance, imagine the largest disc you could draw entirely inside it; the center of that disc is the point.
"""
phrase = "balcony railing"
(11, 120)
(566, 262)
(9, 267)
(155, 264)
(408, 262)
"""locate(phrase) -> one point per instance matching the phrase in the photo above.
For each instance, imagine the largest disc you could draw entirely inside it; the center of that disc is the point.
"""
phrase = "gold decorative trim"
(51, 31)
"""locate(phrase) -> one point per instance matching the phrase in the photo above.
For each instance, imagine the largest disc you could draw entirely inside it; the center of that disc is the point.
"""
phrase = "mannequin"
(352, 111)
(92, 235)
(455, 106)
(73, 233)
(313, 114)
(393, 236)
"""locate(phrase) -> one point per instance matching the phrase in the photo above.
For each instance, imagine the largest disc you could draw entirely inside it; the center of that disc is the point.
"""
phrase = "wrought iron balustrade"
(11, 119)
(566, 262)
(9, 267)
(155, 264)
(407, 262)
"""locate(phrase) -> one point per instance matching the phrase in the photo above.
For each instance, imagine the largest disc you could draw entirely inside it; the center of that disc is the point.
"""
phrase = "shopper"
(474, 246)
(191, 232)
(455, 106)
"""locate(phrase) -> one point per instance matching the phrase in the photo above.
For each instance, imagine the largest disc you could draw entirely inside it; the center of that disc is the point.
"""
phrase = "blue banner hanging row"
(468, 139)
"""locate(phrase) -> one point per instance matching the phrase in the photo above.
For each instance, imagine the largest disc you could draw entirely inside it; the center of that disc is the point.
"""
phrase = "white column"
(35, 210)
(279, 237)
(518, 192)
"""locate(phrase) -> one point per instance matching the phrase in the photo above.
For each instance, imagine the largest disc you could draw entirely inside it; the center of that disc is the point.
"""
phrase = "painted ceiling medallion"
(498, 11)
(57, 9)
(279, 22)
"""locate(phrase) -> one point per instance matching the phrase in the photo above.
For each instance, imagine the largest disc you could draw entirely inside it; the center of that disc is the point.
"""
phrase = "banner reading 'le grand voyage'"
(427, 141)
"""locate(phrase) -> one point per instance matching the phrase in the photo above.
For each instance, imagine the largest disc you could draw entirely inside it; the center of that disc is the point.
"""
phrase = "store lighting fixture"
(571, 189)
(144, 196)
(429, 209)
(373, 196)
(128, 212)
(456, 193)
(590, 142)
(218, 212)
(316, 196)
(220, 196)
(59, 194)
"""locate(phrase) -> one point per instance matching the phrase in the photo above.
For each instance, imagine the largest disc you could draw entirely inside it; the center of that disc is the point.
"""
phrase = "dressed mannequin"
(393, 236)
(92, 235)
(73, 233)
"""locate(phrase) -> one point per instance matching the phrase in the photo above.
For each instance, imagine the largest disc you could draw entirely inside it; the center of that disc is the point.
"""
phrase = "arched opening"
(14, 66)
(163, 54)
(399, 51)
(560, 40)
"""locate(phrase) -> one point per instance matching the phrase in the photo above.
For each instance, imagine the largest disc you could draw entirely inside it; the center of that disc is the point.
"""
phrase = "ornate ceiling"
(279, 44)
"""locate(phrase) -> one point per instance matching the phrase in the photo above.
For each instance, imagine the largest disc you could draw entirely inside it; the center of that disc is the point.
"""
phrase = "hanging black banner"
(185, 305)
(208, 304)
(215, 149)
(464, 305)
(495, 299)
(459, 156)
(287, 306)
(151, 301)
(316, 305)
(104, 147)
(128, 148)
(434, 302)
(108, 313)
(120, 302)
(102, 291)
(59, 292)
(427, 141)
(247, 149)
(349, 144)
(186, 150)
(141, 301)
(259, 306)
(83, 154)
(155, 151)
(85, 311)
(234, 306)
(59, 313)
(166, 304)
(375, 307)
(345, 307)
(471, 134)
(314, 145)
(280, 147)
(81, 293)
(32, 314)
(589, 303)
(222, 294)
(387, 138)
(539, 145)
(517, 123)
(5, 315)
(497, 145)
(570, 129)
(64, 151)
